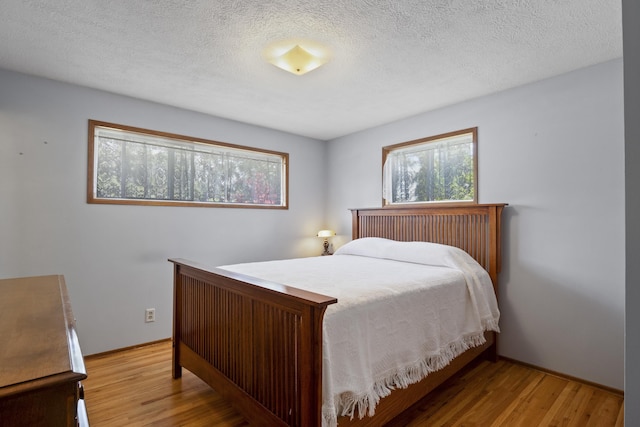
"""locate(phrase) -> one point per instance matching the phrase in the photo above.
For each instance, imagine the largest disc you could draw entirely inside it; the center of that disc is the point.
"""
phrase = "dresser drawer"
(41, 364)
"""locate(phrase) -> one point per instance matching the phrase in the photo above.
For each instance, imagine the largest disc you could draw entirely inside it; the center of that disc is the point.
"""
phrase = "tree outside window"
(441, 168)
(137, 166)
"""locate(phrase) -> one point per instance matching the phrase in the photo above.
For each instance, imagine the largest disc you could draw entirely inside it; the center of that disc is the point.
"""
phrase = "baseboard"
(118, 350)
(565, 376)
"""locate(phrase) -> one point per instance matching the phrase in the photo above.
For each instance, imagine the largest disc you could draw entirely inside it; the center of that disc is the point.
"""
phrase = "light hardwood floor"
(134, 388)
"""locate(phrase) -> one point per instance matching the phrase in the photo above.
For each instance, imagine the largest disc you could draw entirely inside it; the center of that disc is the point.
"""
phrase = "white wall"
(631, 34)
(114, 258)
(554, 151)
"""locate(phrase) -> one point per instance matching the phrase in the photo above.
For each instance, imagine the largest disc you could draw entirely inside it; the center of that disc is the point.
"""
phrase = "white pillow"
(416, 252)
(374, 247)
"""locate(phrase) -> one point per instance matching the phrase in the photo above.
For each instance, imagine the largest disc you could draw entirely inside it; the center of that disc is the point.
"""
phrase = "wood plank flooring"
(134, 388)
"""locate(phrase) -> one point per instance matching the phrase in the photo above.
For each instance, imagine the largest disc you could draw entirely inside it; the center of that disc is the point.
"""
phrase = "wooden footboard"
(257, 343)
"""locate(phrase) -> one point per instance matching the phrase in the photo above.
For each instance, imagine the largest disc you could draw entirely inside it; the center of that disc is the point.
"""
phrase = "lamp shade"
(326, 233)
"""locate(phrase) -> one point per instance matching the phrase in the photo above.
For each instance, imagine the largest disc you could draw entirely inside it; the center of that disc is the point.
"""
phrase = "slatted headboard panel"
(473, 228)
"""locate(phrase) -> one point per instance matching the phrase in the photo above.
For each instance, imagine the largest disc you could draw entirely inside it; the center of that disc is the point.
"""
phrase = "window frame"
(425, 141)
(92, 197)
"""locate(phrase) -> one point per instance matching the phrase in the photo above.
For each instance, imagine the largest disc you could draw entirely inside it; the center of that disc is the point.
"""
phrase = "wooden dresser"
(41, 365)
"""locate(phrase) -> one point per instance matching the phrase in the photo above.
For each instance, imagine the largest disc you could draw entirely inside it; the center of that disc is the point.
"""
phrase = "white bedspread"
(404, 310)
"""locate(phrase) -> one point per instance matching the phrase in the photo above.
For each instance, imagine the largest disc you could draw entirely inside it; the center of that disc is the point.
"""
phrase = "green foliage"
(437, 172)
(135, 170)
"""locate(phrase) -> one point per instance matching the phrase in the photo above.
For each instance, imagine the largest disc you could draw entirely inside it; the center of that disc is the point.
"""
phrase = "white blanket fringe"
(365, 404)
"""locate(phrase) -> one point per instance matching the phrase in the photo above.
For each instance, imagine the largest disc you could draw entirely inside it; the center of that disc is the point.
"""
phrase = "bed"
(260, 343)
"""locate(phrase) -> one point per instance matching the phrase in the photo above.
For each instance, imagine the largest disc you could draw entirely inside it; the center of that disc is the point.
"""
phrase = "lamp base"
(325, 245)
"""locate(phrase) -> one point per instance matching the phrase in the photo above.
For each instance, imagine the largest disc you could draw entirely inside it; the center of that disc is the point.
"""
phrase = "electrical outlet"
(150, 315)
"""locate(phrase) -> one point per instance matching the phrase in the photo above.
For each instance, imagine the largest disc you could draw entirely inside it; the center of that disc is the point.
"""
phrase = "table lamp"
(326, 234)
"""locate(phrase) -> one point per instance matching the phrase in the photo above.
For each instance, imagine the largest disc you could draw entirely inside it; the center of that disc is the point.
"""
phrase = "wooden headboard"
(474, 228)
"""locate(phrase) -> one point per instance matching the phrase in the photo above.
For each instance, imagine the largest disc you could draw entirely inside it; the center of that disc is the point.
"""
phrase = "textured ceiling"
(389, 59)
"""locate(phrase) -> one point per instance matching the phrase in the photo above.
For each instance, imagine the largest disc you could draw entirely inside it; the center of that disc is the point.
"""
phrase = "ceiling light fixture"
(297, 59)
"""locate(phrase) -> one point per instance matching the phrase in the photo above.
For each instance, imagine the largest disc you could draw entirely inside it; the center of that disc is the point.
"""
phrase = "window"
(440, 168)
(136, 166)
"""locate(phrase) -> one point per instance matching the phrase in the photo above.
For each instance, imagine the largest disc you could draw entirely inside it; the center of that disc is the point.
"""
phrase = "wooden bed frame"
(259, 343)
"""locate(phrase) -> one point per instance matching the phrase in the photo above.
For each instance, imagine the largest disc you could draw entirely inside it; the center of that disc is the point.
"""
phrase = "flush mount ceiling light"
(297, 59)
